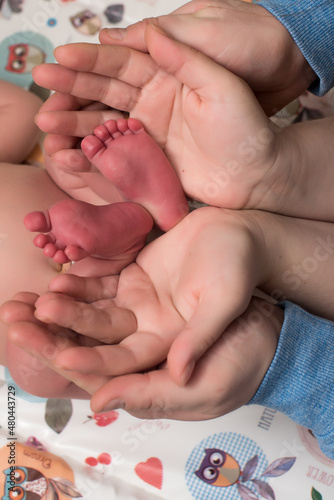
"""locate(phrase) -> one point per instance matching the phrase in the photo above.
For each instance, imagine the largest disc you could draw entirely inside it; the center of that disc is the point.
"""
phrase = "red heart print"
(151, 472)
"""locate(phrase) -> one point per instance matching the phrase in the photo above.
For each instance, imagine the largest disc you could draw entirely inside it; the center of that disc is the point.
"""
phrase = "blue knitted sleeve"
(300, 379)
(311, 25)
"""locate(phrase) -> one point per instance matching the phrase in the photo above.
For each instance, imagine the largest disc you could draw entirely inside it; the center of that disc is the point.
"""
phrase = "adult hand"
(184, 289)
(225, 378)
(64, 160)
(206, 119)
(243, 37)
(32, 364)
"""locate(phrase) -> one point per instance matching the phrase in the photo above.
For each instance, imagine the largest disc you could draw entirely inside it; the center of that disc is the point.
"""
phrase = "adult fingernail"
(187, 372)
(116, 33)
(157, 28)
(115, 404)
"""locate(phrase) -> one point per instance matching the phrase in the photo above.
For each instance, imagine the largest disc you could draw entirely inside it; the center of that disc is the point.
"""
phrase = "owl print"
(218, 468)
(24, 483)
(230, 466)
(86, 22)
(27, 483)
(23, 57)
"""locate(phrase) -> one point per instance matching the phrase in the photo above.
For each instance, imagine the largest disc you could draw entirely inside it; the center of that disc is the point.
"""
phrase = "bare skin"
(129, 158)
(244, 38)
(20, 189)
(263, 53)
(211, 261)
(226, 377)
(23, 267)
(194, 277)
(34, 372)
(181, 129)
(17, 191)
(77, 230)
(137, 168)
(14, 102)
(233, 368)
(77, 176)
(224, 149)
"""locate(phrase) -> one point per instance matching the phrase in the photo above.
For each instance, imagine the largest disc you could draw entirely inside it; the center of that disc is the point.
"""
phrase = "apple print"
(103, 419)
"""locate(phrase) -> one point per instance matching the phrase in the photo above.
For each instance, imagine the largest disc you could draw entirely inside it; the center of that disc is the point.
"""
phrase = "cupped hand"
(32, 364)
(206, 119)
(225, 378)
(64, 160)
(184, 289)
(243, 37)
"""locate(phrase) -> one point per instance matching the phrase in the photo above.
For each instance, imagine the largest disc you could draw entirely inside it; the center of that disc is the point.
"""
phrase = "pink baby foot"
(76, 229)
(127, 156)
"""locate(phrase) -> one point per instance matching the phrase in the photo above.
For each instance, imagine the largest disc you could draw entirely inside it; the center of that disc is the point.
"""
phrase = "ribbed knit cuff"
(311, 25)
(300, 379)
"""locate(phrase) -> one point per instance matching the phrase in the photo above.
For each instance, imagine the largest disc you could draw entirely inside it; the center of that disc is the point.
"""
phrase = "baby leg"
(18, 132)
(77, 229)
(23, 267)
(127, 156)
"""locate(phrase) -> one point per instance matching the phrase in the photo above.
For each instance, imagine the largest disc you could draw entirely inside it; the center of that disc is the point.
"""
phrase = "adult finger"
(60, 102)
(44, 347)
(108, 324)
(67, 102)
(129, 66)
(203, 330)
(155, 395)
(67, 161)
(191, 67)
(183, 28)
(134, 35)
(20, 308)
(149, 395)
(54, 143)
(136, 353)
(19, 331)
(85, 289)
(111, 91)
(74, 123)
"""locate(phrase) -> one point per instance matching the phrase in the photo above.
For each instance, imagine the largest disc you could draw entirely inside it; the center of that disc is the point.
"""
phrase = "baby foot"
(127, 156)
(77, 229)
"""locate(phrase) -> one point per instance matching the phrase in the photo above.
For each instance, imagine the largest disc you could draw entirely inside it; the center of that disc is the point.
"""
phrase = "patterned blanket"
(59, 449)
